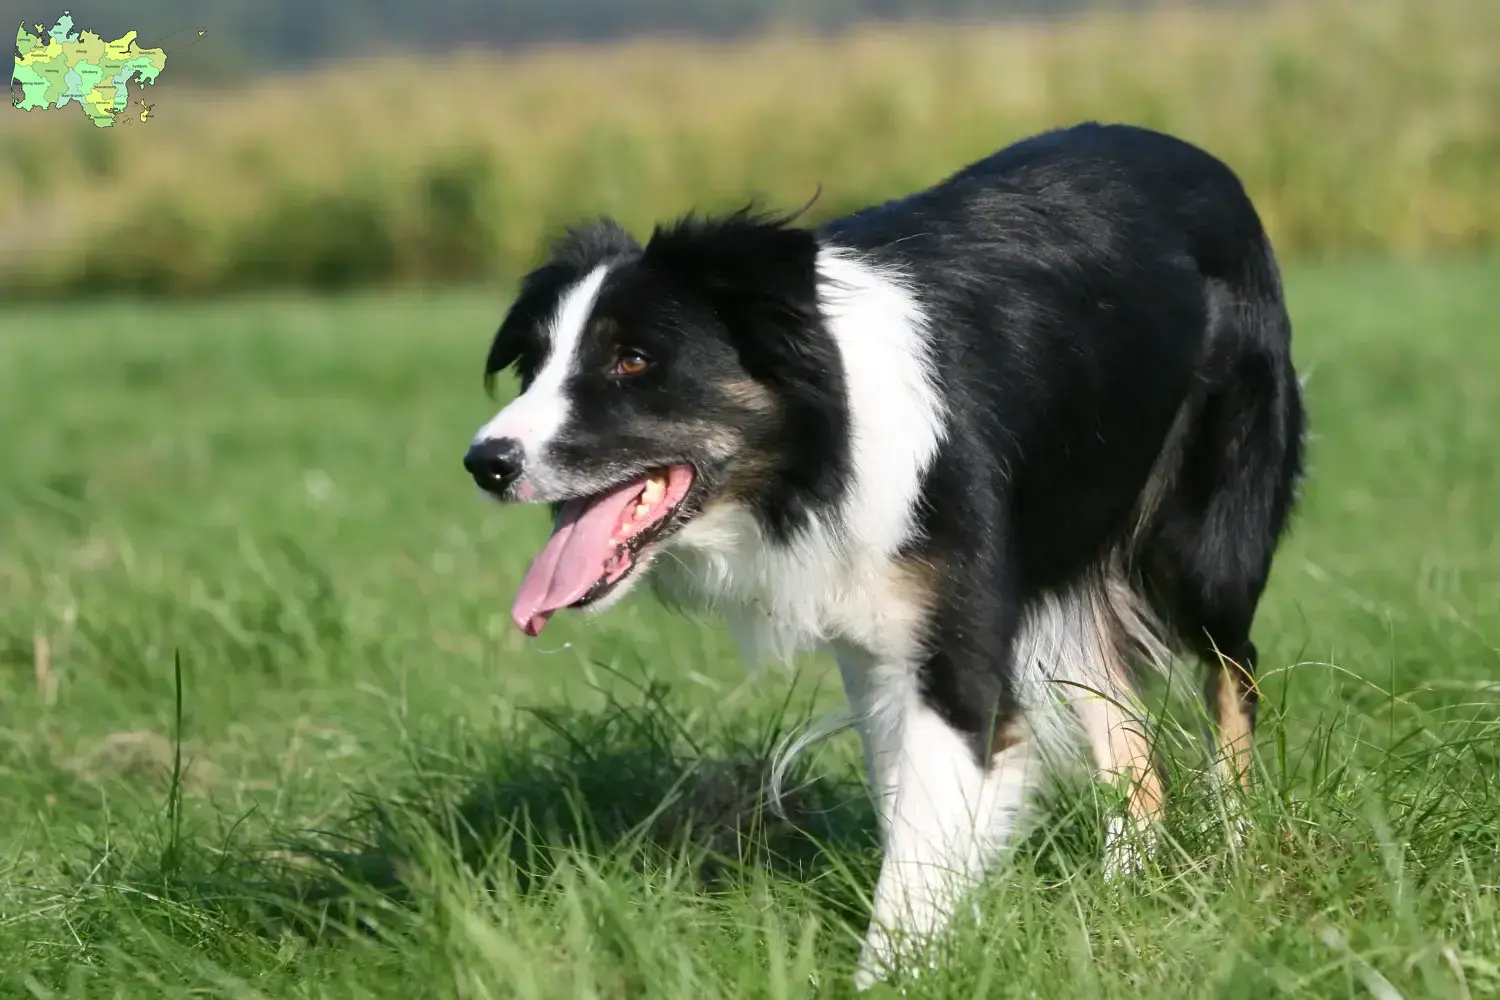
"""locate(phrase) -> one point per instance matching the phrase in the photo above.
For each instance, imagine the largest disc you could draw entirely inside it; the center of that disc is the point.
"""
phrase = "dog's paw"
(867, 976)
(1233, 809)
(874, 973)
(1127, 846)
(879, 961)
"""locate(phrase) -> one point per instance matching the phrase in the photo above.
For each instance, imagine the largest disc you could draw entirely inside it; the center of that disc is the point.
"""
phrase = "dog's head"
(659, 382)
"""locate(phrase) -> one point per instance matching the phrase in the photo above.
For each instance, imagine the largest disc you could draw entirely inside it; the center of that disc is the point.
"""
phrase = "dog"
(998, 445)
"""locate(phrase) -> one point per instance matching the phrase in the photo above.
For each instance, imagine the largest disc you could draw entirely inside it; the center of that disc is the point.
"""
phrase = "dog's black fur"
(1092, 284)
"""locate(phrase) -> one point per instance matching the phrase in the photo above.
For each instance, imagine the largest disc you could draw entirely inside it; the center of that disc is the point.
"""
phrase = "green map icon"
(62, 65)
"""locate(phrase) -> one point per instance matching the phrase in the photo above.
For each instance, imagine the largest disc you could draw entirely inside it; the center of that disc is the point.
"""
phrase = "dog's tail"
(792, 745)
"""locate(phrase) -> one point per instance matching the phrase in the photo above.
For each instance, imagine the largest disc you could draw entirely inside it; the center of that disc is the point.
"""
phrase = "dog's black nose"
(495, 463)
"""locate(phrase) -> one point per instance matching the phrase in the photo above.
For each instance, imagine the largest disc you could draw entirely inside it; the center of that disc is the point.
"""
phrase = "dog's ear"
(521, 330)
(759, 275)
(577, 252)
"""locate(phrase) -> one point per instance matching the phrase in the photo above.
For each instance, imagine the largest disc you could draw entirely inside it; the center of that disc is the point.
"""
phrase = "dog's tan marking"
(1115, 732)
(895, 607)
(748, 393)
(1229, 685)
(914, 582)
(1006, 736)
(1122, 750)
(752, 469)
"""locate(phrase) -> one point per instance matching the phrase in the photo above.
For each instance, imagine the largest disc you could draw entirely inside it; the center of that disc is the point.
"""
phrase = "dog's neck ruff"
(836, 577)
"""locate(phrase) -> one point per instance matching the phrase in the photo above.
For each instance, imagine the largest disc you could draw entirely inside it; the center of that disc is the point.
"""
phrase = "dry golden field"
(1360, 127)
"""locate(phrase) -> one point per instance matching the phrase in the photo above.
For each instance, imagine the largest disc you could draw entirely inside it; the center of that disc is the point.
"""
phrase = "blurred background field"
(363, 783)
(1366, 127)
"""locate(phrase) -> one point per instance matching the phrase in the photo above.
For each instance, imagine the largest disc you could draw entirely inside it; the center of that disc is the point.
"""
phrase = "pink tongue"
(574, 558)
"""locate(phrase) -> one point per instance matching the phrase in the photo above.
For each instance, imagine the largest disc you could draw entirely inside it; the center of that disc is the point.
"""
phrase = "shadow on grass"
(636, 787)
(631, 782)
(633, 786)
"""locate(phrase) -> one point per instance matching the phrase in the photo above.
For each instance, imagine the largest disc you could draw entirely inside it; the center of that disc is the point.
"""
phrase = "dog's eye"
(631, 363)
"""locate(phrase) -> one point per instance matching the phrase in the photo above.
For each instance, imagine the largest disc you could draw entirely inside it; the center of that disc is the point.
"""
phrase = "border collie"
(996, 445)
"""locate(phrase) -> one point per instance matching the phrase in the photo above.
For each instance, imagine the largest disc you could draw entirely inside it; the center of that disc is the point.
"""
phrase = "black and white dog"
(995, 444)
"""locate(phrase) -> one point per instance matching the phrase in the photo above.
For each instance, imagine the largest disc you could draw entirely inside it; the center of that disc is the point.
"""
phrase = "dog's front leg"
(945, 811)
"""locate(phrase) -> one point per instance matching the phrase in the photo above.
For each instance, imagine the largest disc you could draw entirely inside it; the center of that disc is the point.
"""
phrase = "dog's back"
(1112, 342)
(1211, 513)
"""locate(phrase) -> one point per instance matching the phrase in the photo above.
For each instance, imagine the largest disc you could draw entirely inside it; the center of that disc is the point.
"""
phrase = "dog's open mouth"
(596, 543)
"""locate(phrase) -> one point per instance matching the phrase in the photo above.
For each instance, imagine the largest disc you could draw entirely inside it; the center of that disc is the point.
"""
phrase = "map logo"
(60, 66)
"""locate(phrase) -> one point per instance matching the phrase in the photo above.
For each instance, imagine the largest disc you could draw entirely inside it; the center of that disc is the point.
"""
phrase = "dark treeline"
(257, 35)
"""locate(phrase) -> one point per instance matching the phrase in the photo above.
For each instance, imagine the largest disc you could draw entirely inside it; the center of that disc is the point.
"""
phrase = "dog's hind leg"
(1080, 643)
(1218, 527)
(946, 812)
(1122, 754)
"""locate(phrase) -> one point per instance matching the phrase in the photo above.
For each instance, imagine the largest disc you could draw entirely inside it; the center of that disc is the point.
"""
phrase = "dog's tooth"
(654, 491)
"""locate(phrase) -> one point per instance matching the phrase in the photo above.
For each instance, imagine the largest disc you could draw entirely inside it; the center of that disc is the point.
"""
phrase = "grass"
(1360, 126)
(265, 730)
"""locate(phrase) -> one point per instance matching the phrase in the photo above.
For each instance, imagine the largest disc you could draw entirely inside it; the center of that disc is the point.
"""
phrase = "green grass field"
(384, 792)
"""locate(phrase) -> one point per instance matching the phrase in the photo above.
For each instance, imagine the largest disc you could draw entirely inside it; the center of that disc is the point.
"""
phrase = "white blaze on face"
(535, 417)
